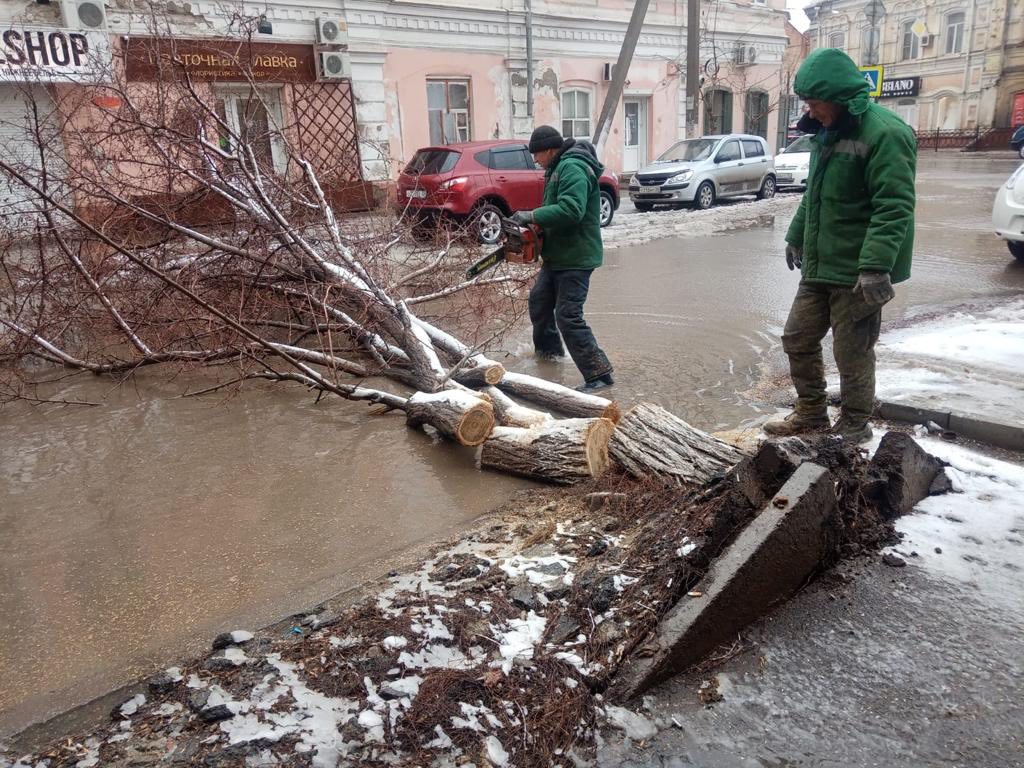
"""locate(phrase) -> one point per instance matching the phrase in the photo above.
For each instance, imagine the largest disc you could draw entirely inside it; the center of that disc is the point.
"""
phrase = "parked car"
(793, 164)
(1008, 213)
(699, 171)
(479, 182)
(1017, 141)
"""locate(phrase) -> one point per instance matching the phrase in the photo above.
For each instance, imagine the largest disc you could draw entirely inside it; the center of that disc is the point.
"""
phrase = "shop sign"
(898, 87)
(219, 60)
(51, 55)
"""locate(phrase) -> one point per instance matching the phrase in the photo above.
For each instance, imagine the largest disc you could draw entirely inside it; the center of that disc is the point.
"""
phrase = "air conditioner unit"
(608, 73)
(927, 40)
(331, 31)
(334, 65)
(84, 14)
(744, 54)
(751, 54)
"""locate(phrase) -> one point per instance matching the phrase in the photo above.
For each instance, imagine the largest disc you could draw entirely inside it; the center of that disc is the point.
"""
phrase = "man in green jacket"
(570, 218)
(851, 238)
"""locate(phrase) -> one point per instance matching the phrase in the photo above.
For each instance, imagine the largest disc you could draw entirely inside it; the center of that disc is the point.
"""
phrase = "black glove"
(794, 257)
(875, 287)
(522, 218)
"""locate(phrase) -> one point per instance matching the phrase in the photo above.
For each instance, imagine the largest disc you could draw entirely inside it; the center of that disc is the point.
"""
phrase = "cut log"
(509, 413)
(561, 451)
(559, 398)
(458, 415)
(651, 442)
(487, 374)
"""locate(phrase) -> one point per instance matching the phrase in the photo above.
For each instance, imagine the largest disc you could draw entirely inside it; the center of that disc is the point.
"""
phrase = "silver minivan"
(699, 171)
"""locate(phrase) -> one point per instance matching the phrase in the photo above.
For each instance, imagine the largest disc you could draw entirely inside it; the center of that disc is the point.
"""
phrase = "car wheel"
(488, 223)
(607, 208)
(1017, 249)
(1020, 151)
(644, 207)
(767, 189)
(705, 196)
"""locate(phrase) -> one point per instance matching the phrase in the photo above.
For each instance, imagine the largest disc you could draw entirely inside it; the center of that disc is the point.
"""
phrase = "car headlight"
(633, 182)
(1014, 176)
(680, 177)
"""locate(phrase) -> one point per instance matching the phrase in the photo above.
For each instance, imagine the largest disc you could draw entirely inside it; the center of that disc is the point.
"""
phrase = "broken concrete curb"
(770, 559)
(993, 433)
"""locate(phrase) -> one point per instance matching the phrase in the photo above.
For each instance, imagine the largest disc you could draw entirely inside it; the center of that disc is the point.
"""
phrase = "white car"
(1008, 213)
(793, 164)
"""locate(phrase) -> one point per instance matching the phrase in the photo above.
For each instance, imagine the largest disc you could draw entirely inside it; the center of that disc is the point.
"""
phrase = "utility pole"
(692, 66)
(611, 100)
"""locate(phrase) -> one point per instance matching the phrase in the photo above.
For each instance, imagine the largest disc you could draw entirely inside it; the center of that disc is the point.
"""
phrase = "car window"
(510, 160)
(689, 151)
(427, 162)
(729, 151)
(803, 144)
(753, 148)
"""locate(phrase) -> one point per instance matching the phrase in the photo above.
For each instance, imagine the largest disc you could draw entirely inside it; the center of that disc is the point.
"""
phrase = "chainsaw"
(521, 245)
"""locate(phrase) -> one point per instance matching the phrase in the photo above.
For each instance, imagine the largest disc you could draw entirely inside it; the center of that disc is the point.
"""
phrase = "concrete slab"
(900, 475)
(767, 563)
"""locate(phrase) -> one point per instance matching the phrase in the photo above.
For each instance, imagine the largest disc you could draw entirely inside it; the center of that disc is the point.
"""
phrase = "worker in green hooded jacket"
(851, 238)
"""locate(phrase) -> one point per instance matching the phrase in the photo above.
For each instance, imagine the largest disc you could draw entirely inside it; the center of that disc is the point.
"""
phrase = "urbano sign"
(896, 87)
(34, 54)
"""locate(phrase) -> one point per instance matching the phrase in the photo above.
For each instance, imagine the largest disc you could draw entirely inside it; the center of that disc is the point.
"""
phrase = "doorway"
(634, 150)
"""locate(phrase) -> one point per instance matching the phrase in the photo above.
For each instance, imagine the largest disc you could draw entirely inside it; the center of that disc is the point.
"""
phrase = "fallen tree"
(155, 232)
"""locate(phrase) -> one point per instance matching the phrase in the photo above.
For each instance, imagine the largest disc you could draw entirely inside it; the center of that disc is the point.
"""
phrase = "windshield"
(427, 162)
(803, 144)
(689, 151)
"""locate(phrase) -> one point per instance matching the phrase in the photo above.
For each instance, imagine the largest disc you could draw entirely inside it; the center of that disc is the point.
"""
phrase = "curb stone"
(993, 433)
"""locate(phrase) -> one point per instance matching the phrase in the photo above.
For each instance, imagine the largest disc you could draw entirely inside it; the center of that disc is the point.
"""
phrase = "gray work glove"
(522, 218)
(794, 257)
(875, 287)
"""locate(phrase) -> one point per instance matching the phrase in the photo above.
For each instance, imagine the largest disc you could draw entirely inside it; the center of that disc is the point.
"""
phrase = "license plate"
(785, 177)
(650, 189)
(416, 193)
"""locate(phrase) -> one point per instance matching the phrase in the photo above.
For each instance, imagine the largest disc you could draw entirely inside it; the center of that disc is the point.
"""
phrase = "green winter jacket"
(570, 215)
(858, 211)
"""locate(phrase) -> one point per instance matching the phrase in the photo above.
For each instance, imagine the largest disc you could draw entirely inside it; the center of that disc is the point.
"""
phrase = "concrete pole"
(611, 100)
(692, 66)
(529, 58)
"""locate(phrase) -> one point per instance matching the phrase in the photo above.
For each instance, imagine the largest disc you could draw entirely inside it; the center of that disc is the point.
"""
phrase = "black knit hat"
(545, 137)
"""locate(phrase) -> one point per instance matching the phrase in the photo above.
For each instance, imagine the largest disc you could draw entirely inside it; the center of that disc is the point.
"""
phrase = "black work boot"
(601, 382)
(796, 423)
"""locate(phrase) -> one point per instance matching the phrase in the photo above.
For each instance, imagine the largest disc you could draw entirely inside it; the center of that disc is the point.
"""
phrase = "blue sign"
(874, 76)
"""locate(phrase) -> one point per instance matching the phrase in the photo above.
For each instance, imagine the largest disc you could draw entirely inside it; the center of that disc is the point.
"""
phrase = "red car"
(479, 182)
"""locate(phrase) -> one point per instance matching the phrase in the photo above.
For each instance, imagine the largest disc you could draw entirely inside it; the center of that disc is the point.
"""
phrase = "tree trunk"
(559, 398)
(651, 442)
(486, 375)
(509, 413)
(462, 416)
(559, 451)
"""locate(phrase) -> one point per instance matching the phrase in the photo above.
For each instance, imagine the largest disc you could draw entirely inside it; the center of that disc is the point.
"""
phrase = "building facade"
(948, 64)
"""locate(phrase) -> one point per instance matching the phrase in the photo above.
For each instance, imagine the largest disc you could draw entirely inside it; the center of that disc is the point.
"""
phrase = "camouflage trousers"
(855, 326)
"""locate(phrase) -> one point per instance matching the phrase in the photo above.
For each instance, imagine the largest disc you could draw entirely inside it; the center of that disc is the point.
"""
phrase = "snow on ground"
(968, 361)
(974, 535)
(638, 228)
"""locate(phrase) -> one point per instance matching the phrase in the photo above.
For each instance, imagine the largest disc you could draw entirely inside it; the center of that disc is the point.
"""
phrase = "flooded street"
(131, 533)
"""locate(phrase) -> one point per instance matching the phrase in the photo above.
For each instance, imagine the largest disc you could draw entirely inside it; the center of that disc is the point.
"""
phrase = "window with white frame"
(448, 111)
(576, 114)
(955, 23)
(254, 117)
(910, 43)
(837, 40)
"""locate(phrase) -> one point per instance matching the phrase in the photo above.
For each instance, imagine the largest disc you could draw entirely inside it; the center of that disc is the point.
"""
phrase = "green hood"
(830, 75)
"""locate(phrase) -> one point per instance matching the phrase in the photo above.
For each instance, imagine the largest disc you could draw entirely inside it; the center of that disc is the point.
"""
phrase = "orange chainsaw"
(521, 245)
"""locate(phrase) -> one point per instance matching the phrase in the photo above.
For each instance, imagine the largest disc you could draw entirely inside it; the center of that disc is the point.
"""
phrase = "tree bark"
(464, 417)
(559, 398)
(509, 413)
(651, 442)
(561, 451)
(483, 375)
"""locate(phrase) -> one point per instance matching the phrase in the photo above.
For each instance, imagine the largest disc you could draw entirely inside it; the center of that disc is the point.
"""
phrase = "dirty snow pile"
(969, 361)
(976, 533)
(638, 228)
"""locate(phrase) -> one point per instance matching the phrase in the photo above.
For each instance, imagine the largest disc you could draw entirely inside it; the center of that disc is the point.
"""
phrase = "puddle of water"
(135, 530)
